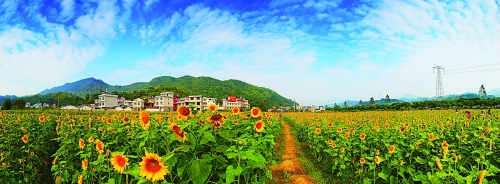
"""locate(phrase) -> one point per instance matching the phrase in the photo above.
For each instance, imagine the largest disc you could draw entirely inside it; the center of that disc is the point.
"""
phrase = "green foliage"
(20, 103)
(61, 98)
(7, 104)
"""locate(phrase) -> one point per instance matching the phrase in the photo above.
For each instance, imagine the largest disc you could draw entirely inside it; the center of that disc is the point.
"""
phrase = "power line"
(419, 84)
(426, 86)
(474, 71)
(475, 66)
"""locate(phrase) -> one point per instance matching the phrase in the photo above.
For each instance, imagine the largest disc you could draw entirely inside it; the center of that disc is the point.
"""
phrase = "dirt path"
(290, 164)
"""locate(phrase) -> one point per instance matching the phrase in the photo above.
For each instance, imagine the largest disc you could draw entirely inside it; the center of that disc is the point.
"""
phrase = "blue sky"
(315, 51)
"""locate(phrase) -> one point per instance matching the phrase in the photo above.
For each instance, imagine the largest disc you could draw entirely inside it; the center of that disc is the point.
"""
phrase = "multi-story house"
(165, 102)
(196, 100)
(106, 101)
(208, 101)
(238, 102)
(138, 104)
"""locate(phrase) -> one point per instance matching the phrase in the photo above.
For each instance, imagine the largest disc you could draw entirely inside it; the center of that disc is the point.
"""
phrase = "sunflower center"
(120, 161)
(258, 125)
(153, 165)
(184, 111)
(216, 117)
(255, 111)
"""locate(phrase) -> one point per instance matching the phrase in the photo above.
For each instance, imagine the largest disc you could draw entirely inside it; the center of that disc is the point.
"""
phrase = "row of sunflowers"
(403, 146)
(137, 147)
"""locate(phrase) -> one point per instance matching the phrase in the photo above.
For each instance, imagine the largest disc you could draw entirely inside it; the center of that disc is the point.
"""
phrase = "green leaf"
(111, 181)
(231, 173)
(133, 170)
(367, 181)
(252, 156)
(200, 169)
(382, 175)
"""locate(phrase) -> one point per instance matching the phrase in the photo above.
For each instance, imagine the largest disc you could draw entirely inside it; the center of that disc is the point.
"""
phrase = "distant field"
(402, 146)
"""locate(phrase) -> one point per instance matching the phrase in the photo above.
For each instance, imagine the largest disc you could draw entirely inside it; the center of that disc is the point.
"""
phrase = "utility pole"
(439, 82)
(294, 106)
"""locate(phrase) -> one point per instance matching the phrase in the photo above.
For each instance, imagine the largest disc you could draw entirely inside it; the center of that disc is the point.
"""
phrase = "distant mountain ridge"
(206, 86)
(2, 98)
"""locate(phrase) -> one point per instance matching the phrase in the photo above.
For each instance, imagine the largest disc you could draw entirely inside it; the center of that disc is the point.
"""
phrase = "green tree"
(7, 104)
(360, 103)
(20, 103)
(372, 101)
(482, 92)
(387, 99)
(345, 104)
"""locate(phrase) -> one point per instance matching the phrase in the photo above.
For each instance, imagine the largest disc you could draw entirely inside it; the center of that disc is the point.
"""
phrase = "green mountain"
(182, 86)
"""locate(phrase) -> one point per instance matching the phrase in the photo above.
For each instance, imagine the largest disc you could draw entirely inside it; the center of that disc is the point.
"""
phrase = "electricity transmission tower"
(439, 82)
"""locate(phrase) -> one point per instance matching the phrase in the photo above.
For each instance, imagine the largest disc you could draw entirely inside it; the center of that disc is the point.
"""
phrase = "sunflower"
(4, 165)
(362, 160)
(346, 135)
(32, 153)
(317, 131)
(85, 164)
(444, 145)
(342, 150)
(41, 118)
(339, 130)
(217, 125)
(438, 163)
(81, 143)
(212, 107)
(119, 162)
(183, 112)
(216, 118)
(330, 141)
(25, 139)
(80, 179)
(391, 149)
(144, 119)
(152, 167)
(330, 125)
(108, 120)
(255, 112)
(377, 159)
(259, 126)
(236, 110)
(431, 137)
(126, 119)
(362, 136)
(481, 176)
(387, 126)
(91, 139)
(181, 134)
(377, 152)
(334, 145)
(55, 160)
(99, 146)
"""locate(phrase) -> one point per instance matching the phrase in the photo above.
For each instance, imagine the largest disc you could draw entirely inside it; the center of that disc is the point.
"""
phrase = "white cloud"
(321, 5)
(277, 3)
(148, 3)
(67, 9)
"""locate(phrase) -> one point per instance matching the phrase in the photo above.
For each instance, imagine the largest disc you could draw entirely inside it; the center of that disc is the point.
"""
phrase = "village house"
(165, 102)
(196, 100)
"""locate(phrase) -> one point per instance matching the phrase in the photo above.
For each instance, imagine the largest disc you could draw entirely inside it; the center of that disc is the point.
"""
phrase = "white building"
(138, 104)
(196, 100)
(239, 102)
(208, 101)
(165, 102)
(107, 101)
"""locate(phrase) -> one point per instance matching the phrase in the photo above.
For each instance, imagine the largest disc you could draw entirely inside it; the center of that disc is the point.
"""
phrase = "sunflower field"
(137, 147)
(402, 146)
